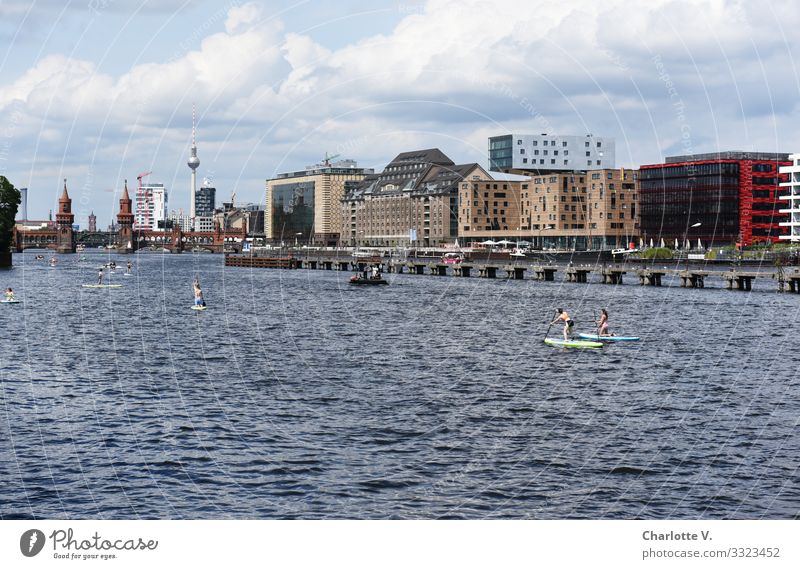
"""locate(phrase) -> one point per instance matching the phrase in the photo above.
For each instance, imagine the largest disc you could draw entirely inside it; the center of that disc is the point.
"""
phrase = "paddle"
(551, 325)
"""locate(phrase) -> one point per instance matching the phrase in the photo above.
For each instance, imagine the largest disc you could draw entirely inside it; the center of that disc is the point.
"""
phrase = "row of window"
(553, 143)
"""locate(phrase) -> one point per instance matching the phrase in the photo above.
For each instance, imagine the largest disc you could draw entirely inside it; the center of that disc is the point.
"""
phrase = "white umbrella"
(505, 242)
(676, 243)
(662, 243)
(687, 245)
(651, 243)
(699, 245)
(641, 243)
(488, 242)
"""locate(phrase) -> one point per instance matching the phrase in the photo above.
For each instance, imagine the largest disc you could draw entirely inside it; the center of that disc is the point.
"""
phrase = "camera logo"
(31, 542)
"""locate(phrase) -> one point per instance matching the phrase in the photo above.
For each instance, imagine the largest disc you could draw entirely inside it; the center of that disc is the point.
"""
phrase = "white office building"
(151, 207)
(550, 152)
(792, 195)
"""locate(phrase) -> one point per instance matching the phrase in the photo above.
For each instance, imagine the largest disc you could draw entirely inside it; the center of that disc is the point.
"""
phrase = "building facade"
(543, 152)
(305, 206)
(151, 207)
(596, 209)
(717, 198)
(790, 195)
(412, 202)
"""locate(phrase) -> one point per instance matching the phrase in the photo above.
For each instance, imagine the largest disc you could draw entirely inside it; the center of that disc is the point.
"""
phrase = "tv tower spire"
(193, 163)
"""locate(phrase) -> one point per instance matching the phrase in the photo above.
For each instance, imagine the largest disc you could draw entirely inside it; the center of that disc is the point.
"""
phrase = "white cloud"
(471, 69)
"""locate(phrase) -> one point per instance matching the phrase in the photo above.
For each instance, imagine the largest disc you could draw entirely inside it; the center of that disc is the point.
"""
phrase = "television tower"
(193, 163)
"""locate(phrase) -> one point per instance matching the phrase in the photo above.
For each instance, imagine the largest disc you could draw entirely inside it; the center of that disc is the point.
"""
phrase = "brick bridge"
(62, 238)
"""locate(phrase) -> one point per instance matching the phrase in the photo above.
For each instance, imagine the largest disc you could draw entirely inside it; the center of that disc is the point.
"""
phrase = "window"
(522, 151)
(552, 161)
(555, 152)
(544, 152)
(588, 154)
(598, 144)
(541, 161)
(536, 153)
(566, 153)
(535, 142)
(564, 143)
(519, 141)
(609, 176)
(598, 162)
(566, 162)
(544, 143)
(524, 160)
(587, 144)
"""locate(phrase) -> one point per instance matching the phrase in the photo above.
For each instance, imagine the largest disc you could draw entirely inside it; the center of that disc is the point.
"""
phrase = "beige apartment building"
(305, 206)
(412, 202)
(596, 209)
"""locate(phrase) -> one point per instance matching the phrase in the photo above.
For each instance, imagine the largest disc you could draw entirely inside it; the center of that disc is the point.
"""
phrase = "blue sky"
(98, 91)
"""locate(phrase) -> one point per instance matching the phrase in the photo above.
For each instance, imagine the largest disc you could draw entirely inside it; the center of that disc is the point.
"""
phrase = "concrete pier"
(612, 275)
(651, 277)
(577, 274)
(693, 279)
(545, 273)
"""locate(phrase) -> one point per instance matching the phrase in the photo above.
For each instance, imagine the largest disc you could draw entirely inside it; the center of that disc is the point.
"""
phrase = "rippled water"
(299, 396)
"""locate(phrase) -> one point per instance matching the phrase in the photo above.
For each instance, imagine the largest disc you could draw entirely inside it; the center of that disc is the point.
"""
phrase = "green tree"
(9, 202)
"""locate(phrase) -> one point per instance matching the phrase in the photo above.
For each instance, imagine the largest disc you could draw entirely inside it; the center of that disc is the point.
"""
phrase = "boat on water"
(360, 280)
(596, 338)
(452, 258)
(572, 343)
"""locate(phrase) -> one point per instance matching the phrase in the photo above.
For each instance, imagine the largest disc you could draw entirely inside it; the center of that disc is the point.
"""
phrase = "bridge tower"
(64, 219)
(125, 242)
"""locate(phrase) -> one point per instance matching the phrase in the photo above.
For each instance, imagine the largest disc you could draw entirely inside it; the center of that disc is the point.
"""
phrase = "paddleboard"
(609, 338)
(127, 274)
(572, 343)
(195, 307)
(102, 286)
(10, 301)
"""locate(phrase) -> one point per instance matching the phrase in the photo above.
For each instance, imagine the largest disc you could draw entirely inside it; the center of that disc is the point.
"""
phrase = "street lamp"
(686, 238)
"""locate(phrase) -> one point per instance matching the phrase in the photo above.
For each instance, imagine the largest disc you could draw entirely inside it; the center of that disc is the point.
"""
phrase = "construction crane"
(327, 160)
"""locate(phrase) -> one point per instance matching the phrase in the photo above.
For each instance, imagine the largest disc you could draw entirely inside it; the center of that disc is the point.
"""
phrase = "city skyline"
(98, 94)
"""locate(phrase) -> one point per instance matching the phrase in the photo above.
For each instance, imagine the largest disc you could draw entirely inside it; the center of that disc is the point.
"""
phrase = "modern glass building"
(733, 196)
(306, 205)
(292, 212)
(205, 201)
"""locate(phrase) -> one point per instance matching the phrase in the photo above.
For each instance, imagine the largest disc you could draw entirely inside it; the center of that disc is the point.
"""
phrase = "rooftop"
(728, 155)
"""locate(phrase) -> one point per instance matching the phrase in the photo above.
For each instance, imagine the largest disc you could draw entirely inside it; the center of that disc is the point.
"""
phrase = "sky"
(100, 91)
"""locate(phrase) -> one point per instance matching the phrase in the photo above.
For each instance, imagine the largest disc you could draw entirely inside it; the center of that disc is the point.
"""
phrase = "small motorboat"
(360, 280)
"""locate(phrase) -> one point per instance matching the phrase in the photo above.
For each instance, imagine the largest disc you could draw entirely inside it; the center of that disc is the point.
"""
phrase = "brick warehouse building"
(734, 196)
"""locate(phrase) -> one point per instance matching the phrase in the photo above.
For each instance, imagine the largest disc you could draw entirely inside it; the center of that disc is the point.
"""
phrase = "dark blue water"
(297, 395)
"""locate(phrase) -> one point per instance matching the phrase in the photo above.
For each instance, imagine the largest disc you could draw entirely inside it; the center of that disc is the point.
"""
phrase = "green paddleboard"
(572, 343)
(101, 286)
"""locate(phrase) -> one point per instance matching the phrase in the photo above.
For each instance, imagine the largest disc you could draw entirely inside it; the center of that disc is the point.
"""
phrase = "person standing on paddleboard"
(198, 294)
(9, 294)
(568, 323)
(602, 324)
(100, 277)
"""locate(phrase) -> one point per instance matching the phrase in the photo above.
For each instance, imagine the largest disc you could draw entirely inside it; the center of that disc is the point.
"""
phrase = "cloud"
(451, 72)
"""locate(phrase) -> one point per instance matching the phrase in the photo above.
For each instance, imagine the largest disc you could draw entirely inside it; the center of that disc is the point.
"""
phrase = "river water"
(297, 395)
